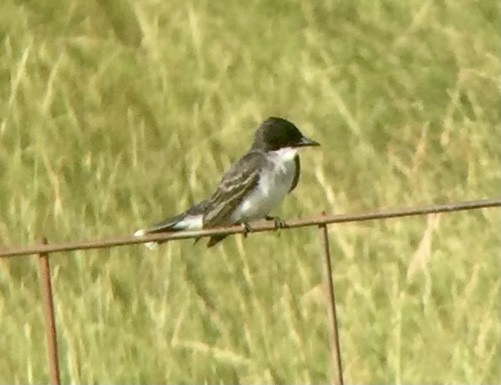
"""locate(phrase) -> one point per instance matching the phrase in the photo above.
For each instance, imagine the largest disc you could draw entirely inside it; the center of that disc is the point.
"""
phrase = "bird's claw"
(246, 229)
(278, 222)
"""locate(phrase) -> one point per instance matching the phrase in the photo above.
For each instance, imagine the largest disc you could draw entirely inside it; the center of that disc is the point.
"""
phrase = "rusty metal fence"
(44, 250)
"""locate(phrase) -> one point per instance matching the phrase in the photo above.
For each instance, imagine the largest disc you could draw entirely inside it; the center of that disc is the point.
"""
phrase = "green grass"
(106, 111)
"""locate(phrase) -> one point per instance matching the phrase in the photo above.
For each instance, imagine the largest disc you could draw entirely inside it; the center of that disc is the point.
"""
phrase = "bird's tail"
(167, 226)
(192, 219)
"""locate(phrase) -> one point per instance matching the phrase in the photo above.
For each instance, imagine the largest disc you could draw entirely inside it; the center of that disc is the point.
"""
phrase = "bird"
(252, 186)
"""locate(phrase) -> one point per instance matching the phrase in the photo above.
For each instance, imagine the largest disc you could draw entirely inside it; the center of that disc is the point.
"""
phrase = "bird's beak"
(305, 142)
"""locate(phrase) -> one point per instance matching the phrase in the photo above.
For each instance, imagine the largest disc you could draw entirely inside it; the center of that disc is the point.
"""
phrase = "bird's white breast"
(275, 182)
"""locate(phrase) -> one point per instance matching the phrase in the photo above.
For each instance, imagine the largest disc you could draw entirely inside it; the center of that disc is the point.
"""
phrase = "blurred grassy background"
(116, 114)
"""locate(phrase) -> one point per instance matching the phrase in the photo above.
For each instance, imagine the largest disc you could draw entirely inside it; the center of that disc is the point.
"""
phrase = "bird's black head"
(276, 133)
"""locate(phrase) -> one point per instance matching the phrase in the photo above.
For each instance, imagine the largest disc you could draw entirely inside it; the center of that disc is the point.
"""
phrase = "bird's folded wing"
(296, 175)
(241, 179)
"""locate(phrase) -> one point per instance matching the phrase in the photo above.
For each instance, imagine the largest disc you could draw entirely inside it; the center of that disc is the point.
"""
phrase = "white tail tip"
(139, 233)
(149, 245)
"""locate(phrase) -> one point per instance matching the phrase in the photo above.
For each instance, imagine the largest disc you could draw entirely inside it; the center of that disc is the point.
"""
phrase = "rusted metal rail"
(129, 240)
(50, 322)
(337, 365)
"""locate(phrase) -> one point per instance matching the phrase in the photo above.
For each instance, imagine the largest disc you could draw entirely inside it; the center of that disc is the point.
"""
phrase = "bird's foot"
(246, 229)
(279, 222)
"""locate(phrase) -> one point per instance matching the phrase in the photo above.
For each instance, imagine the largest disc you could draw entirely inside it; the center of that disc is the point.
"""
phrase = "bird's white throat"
(285, 154)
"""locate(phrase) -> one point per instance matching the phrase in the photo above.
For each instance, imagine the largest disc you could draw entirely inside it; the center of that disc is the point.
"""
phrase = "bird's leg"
(279, 222)
(246, 229)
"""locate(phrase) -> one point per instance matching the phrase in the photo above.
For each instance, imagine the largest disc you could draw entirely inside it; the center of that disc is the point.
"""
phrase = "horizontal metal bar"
(319, 220)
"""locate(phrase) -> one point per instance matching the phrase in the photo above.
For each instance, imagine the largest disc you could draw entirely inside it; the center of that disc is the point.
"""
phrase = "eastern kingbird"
(251, 188)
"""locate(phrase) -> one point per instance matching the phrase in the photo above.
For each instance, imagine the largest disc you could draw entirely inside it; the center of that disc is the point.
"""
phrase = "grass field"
(116, 114)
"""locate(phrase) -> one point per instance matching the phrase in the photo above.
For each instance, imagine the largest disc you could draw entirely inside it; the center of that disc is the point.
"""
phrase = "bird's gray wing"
(242, 178)
(296, 175)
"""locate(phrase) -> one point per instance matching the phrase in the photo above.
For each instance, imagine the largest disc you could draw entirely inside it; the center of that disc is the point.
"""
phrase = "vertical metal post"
(50, 323)
(331, 306)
